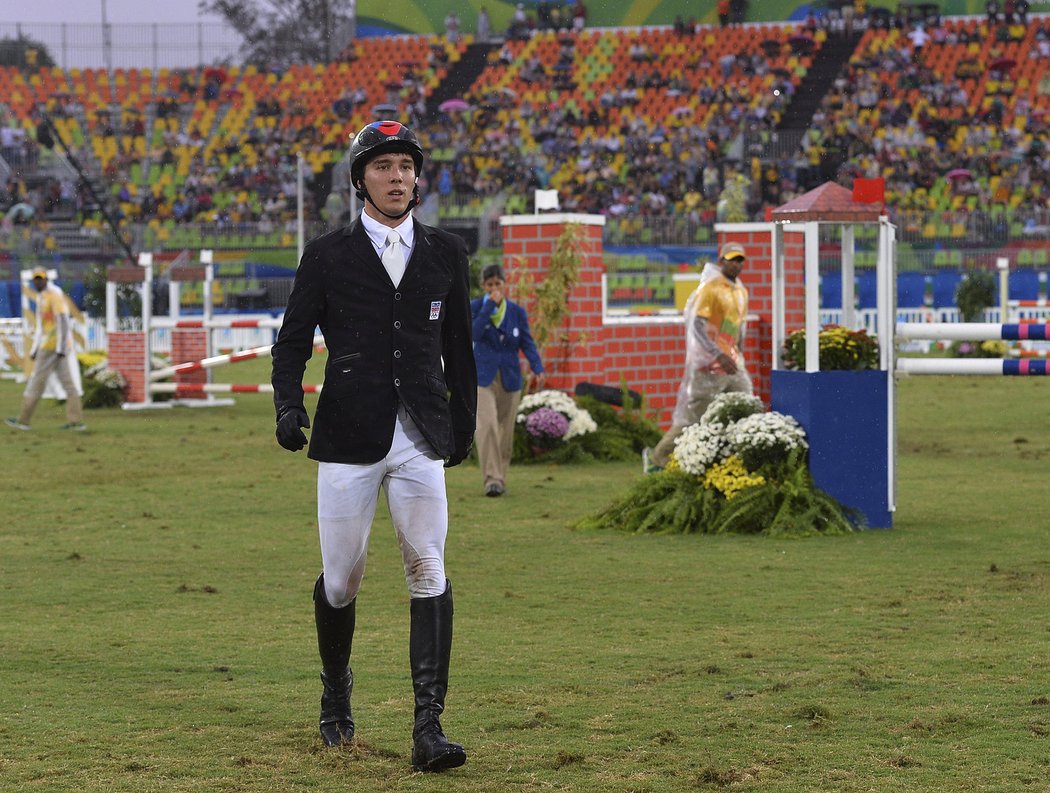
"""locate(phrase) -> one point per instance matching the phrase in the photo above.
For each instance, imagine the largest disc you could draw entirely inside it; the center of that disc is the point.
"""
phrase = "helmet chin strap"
(363, 194)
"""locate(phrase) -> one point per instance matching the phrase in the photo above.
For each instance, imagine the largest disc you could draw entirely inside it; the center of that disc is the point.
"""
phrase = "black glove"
(459, 453)
(289, 432)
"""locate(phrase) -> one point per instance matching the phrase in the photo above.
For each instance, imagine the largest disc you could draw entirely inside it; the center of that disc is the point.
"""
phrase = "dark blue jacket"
(496, 349)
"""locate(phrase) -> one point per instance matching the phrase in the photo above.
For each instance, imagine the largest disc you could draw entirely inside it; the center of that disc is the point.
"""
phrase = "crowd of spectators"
(549, 15)
(893, 112)
(974, 137)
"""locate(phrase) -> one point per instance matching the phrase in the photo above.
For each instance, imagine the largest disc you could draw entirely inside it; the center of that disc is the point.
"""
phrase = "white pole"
(207, 258)
(778, 330)
(849, 318)
(111, 307)
(174, 298)
(884, 292)
(1004, 288)
(301, 234)
(812, 275)
(146, 262)
(886, 275)
(960, 366)
(956, 331)
(208, 308)
(107, 41)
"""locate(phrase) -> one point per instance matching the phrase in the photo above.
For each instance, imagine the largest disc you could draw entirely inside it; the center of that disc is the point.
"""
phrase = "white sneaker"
(648, 466)
(16, 424)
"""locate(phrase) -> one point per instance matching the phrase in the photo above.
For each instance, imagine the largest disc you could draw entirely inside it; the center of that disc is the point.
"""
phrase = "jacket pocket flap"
(437, 385)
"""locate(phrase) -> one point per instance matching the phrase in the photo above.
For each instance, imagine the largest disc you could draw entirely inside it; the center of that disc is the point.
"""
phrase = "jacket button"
(397, 295)
(397, 324)
(397, 382)
(397, 353)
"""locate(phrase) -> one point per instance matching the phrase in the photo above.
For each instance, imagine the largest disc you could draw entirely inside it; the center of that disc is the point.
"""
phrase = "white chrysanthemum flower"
(580, 424)
(701, 446)
(580, 421)
(732, 406)
(766, 437)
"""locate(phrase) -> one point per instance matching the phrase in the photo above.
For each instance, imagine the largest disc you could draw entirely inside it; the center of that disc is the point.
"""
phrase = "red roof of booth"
(830, 201)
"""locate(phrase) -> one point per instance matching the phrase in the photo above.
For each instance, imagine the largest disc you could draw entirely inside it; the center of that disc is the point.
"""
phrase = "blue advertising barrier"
(844, 416)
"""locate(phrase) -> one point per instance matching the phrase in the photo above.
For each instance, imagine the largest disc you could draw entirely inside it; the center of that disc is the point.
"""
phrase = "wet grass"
(156, 575)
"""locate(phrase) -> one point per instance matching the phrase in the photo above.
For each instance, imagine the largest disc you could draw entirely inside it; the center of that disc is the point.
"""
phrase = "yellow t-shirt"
(723, 303)
(50, 305)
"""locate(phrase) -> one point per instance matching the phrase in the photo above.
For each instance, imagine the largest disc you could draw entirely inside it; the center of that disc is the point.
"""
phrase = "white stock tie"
(394, 257)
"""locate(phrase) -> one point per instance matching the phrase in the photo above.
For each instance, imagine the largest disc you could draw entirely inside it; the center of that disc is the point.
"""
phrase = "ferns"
(789, 504)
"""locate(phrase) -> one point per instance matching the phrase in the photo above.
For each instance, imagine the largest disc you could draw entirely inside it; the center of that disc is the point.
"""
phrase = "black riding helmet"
(383, 137)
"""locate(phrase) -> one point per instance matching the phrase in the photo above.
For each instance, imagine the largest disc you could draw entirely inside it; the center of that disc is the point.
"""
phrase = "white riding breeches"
(413, 478)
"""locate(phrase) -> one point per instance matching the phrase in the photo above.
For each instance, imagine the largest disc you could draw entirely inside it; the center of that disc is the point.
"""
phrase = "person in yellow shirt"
(52, 351)
(715, 316)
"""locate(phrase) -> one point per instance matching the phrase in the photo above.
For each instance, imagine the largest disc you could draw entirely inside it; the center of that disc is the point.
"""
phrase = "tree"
(24, 53)
(288, 31)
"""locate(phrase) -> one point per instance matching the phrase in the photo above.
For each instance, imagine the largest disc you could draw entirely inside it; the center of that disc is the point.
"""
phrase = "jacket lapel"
(420, 248)
(362, 252)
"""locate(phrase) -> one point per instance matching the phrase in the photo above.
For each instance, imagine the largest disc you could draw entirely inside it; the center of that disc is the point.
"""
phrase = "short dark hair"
(492, 271)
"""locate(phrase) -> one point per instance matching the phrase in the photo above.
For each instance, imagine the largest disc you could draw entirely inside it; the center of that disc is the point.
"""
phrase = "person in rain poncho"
(714, 364)
(52, 352)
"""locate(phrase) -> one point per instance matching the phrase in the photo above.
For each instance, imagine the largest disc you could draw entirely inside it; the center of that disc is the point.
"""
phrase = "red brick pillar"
(127, 351)
(127, 355)
(529, 241)
(188, 345)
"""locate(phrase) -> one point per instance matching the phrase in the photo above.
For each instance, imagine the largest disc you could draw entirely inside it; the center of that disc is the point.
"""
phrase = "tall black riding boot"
(430, 646)
(335, 632)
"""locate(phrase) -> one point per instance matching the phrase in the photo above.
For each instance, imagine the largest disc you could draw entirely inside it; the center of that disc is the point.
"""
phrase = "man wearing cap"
(714, 364)
(392, 298)
(52, 351)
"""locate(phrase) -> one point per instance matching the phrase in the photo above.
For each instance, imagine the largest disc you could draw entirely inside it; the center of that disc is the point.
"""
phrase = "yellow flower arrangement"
(840, 349)
(90, 359)
(730, 477)
(994, 348)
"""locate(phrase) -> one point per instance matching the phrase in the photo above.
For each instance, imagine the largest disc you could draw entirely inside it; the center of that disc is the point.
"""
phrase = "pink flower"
(546, 426)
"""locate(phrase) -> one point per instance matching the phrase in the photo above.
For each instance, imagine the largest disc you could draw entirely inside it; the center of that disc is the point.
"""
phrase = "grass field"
(157, 635)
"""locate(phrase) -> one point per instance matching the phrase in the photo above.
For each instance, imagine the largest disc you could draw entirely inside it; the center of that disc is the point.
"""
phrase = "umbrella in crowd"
(384, 109)
(1002, 64)
(19, 213)
(772, 46)
(454, 105)
(958, 173)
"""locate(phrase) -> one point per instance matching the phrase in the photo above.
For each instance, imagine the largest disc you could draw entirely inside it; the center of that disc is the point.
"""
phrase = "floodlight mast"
(48, 141)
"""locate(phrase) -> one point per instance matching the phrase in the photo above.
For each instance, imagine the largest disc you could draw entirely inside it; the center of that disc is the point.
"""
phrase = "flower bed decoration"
(841, 349)
(546, 427)
(740, 470)
(555, 427)
(103, 387)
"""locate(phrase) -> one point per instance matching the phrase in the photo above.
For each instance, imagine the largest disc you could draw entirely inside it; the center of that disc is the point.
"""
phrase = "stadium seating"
(627, 122)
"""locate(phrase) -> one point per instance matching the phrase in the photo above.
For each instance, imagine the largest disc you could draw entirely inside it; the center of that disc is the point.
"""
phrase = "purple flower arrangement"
(546, 426)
